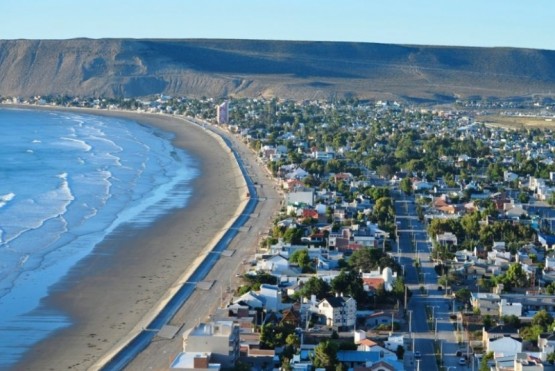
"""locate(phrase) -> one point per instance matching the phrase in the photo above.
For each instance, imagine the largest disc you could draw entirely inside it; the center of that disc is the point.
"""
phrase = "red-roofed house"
(371, 285)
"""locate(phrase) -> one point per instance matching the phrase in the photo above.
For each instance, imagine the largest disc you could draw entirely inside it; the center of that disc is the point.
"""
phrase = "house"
(486, 303)
(353, 358)
(498, 331)
(374, 279)
(305, 197)
(379, 318)
(546, 342)
(219, 338)
(447, 239)
(527, 362)
(194, 361)
(276, 264)
(505, 345)
(339, 312)
(510, 308)
(271, 296)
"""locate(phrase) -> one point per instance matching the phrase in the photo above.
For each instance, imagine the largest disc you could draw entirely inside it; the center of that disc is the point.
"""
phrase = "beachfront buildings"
(222, 113)
(220, 338)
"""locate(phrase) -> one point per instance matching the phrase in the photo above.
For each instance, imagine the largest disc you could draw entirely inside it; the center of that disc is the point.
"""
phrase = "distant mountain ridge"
(254, 68)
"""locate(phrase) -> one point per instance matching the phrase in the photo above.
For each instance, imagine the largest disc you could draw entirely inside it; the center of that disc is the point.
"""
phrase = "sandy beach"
(115, 291)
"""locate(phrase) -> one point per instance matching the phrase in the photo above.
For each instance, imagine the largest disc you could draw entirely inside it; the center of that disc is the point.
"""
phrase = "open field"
(517, 122)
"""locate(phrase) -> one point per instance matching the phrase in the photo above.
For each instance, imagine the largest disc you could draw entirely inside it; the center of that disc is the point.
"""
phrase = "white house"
(339, 311)
(510, 309)
(271, 295)
(504, 346)
(277, 264)
(220, 338)
(301, 197)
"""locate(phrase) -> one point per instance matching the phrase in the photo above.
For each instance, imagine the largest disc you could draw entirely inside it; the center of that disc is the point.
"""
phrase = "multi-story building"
(220, 338)
(340, 312)
(222, 113)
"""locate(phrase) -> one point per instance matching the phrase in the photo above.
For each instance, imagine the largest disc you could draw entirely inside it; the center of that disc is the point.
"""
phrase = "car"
(417, 354)
(462, 361)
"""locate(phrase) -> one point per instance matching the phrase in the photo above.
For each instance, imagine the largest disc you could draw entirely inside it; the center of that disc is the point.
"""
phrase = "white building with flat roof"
(220, 338)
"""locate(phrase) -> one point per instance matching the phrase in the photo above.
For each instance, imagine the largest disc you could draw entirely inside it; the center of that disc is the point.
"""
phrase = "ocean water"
(67, 180)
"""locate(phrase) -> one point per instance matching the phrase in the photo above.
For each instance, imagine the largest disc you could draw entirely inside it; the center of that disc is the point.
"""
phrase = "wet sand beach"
(115, 292)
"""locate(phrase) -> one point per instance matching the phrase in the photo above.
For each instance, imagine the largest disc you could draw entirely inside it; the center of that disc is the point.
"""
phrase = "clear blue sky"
(516, 23)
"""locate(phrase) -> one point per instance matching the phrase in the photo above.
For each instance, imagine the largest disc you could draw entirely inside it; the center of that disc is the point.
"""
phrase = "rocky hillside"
(297, 70)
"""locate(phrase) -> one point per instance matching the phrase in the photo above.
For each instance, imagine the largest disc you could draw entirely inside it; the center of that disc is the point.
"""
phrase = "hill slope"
(298, 70)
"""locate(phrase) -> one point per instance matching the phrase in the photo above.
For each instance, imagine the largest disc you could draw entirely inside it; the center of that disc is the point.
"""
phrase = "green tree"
(542, 319)
(293, 235)
(325, 355)
(365, 259)
(301, 258)
(531, 333)
(514, 277)
(485, 360)
(406, 185)
(511, 320)
(350, 283)
(463, 295)
(315, 286)
(551, 357)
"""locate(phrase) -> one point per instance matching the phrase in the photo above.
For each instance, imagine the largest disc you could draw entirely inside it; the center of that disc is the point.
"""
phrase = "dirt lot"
(518, 122)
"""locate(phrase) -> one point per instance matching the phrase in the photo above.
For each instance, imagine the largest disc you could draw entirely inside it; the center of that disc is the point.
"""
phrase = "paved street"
(428, 306)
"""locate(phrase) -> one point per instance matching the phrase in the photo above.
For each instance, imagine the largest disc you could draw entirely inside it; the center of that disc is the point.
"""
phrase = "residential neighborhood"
(408, 237)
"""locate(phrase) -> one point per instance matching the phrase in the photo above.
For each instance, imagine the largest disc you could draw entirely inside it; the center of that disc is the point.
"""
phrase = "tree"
(365, 259)
(487, 321)
(531, 333)
(293, 235)
(463, 295)
(301, 258)
(406, 185)
(551, 357)
(325, 355)
(485, 360)
(515, 276)
(511, 320)
(349, 283)
(542, 319)
(315, 286)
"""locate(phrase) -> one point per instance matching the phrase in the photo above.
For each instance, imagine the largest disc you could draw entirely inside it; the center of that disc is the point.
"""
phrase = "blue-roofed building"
(353, 358)
(546, 240)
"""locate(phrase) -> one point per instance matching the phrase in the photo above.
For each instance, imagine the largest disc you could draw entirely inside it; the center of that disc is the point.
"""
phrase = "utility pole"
(441, 350)
(410, 323)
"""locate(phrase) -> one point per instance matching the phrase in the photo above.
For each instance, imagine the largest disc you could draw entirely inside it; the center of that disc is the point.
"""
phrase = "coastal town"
(409, 236)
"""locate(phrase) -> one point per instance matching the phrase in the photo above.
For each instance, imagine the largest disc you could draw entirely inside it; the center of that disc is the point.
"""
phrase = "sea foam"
(84, 177)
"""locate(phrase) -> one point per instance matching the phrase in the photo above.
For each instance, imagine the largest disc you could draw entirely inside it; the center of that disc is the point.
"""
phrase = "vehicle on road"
(462, 361)
(417, 354)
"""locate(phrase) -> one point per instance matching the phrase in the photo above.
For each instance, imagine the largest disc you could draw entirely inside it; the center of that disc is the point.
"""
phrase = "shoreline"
(115, 292)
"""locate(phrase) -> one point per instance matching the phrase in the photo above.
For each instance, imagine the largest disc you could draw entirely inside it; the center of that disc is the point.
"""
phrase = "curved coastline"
(116, 292)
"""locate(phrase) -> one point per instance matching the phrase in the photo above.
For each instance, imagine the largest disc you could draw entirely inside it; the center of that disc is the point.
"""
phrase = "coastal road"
(161, 351)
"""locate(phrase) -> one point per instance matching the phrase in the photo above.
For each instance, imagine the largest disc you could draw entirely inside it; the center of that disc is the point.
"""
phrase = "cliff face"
(297, 70)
